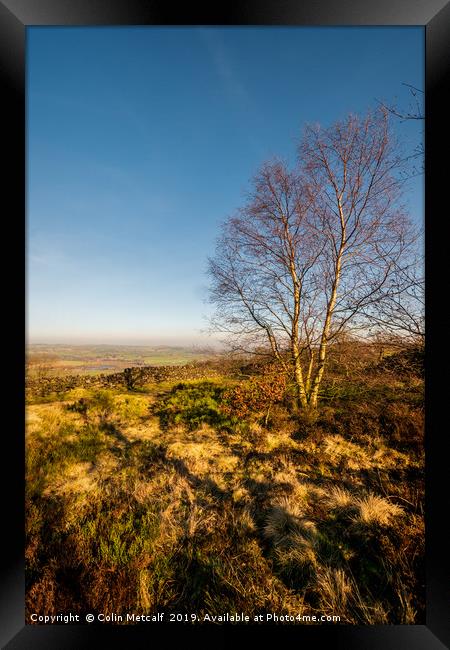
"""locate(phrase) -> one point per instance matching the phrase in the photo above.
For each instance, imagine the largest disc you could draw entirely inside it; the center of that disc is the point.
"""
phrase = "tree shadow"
(111, 429)
(157, 455)
(198, 577)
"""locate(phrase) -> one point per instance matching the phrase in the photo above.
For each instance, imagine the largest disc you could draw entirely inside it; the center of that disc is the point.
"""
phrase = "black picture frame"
(434, 15)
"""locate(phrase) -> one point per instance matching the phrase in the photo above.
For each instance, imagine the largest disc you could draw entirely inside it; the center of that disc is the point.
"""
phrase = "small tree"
(313, 248)
(257, 395)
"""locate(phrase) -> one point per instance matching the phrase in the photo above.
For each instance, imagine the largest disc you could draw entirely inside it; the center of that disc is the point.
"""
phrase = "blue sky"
(141, 140)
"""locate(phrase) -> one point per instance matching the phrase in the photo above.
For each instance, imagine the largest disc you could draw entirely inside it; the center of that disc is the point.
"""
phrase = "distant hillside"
(88, 359)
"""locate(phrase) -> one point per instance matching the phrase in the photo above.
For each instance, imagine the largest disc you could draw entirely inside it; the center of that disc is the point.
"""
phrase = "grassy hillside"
(173, 498)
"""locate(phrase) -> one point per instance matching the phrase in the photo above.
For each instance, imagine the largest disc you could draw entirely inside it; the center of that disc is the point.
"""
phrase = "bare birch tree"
(312, 248)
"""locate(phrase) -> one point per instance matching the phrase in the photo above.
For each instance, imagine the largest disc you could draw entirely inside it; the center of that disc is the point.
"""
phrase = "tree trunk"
(301, 393)
(313, 398)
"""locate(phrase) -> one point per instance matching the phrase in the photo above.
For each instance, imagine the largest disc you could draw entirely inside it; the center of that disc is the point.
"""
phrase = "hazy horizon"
(127, 341)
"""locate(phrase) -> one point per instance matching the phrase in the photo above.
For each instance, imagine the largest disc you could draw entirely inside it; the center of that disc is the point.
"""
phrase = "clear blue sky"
(142, 140)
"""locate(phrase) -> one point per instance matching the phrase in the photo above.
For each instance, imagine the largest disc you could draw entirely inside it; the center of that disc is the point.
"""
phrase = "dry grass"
(335, 589)
(285, 521)
(187, 512)
(377, 511)
(340, 500)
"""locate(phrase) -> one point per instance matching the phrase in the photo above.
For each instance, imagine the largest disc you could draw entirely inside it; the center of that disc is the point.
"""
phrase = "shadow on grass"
(110, 429)
(152, 457)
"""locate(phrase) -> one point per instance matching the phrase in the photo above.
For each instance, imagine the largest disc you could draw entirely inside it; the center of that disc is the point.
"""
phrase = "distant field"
(91, 359)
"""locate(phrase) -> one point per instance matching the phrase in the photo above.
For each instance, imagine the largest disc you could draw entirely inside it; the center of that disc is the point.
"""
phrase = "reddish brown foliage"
(256, 395)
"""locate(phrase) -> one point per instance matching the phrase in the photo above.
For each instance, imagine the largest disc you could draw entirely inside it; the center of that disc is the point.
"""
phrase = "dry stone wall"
(130, 378)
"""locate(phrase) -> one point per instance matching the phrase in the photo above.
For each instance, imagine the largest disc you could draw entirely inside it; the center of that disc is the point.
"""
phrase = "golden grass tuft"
(339, 498)
(377, 511)
(299, 556)
(286, 523)
(334, 588)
